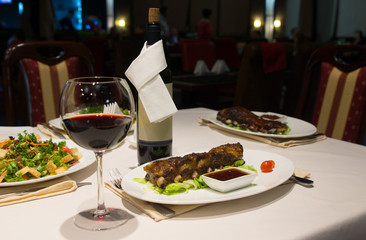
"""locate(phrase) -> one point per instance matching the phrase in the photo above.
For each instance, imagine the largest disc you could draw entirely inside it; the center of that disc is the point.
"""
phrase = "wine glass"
(97, 113)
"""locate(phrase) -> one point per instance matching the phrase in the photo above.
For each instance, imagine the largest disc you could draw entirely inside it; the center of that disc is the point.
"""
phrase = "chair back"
(334, 92)
(227, 50)
(34, 74)
(194, 50)
(259, 83)
(97, 46)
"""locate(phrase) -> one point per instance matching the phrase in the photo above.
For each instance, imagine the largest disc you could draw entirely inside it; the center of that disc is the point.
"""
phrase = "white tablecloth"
(334, 209)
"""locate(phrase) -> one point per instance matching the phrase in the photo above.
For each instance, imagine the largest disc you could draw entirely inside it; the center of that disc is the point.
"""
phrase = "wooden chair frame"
(47, 52)
(346, 58)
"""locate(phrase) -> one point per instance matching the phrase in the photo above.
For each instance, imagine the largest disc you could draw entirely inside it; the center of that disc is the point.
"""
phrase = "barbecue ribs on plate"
(245, 119)
(177, 169)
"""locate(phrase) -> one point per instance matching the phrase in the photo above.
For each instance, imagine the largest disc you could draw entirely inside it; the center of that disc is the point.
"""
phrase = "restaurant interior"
(260, 134)
(267, 48)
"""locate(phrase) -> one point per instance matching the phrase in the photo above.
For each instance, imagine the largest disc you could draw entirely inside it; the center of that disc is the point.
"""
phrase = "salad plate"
(299, 128)
(263, 182)
(87, 159)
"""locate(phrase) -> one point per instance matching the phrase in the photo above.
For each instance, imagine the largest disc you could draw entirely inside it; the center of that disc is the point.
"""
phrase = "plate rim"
(71, 170)
(233, 195)
(212, 118)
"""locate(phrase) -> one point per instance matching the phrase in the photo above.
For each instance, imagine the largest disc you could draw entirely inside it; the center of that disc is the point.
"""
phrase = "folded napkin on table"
(298, 172)
(220, 66)
(52, 132)
(144, 74)
(200, 68)
(278, 142)
(149, 209)
(52, 190)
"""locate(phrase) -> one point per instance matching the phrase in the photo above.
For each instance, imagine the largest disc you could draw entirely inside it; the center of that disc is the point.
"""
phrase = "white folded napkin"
(50, 191)
(220, 66)
(144, 74)
(147, 208)
(112, 108)
(200, 68)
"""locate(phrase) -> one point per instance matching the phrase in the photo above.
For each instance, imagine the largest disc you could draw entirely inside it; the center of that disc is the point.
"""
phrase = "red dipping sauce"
(226, 174)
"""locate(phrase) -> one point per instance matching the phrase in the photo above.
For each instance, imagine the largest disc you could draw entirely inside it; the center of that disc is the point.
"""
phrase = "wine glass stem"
(101, 210)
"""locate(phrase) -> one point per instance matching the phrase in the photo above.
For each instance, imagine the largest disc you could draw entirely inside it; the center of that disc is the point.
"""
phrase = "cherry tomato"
(66, 149)
(273, 163)
(267, 166)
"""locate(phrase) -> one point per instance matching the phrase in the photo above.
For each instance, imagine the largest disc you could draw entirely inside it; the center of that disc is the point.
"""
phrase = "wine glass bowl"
(97, 131)
(84, 114)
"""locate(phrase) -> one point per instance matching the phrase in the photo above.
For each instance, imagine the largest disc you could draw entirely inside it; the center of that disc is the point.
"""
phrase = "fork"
(116, 178)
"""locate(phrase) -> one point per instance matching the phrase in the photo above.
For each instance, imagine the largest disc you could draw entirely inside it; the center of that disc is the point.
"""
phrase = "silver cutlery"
(23, 192)
(303, 181)
(309, 138)
(116, 178)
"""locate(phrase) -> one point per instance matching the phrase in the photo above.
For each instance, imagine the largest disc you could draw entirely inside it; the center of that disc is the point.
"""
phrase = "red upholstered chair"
(334, 92)
(261, 77)
(34, 74)
(97, 46)
(227, 49)
(194, 50)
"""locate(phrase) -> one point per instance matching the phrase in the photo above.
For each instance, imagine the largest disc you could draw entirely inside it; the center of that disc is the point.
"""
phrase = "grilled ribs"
(245, 119)
(178, 169)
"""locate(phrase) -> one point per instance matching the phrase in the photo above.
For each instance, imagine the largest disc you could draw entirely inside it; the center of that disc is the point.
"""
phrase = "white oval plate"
(263, 182)
(299, 128)
(87, 159)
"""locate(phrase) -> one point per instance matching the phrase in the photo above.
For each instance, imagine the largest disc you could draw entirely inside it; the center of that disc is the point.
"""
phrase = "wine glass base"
(87, 219)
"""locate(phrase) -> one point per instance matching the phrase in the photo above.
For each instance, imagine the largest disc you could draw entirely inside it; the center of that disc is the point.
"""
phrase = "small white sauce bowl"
(231, 184)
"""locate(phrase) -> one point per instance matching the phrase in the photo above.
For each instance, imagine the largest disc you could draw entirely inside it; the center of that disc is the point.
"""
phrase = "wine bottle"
(154, 140)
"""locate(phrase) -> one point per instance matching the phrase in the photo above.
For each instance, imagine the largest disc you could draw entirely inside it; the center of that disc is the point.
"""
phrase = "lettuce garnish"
(182, 187)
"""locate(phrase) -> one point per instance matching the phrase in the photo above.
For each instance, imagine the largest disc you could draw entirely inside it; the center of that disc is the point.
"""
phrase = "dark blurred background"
(114, 32)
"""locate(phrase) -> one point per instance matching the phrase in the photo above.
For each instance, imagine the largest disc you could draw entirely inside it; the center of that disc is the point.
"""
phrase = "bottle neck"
(152, 33)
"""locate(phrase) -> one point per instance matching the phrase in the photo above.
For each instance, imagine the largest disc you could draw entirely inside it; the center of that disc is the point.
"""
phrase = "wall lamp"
(257, 23)
(277, 23)
(120, 23)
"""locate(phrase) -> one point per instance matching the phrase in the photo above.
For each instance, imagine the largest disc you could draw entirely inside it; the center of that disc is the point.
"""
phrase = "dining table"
(334, 208)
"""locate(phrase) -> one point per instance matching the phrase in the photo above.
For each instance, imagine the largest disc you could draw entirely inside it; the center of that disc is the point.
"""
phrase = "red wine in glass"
(97, 130)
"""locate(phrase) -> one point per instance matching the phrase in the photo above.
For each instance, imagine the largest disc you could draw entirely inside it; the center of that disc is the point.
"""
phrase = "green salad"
(181, 187)
(28, 157)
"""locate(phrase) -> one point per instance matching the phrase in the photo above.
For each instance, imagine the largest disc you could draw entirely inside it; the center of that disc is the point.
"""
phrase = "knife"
(303, 181)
